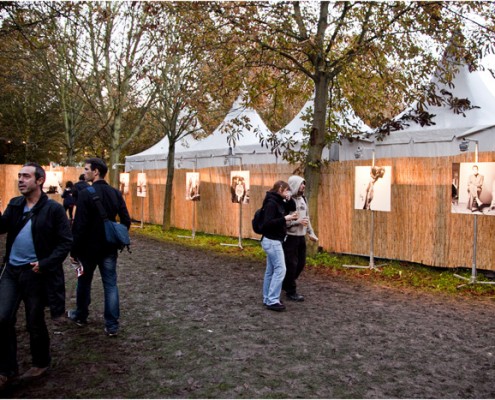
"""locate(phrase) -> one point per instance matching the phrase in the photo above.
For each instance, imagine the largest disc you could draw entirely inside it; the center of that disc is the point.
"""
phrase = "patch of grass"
(391, 273)
(250, 247)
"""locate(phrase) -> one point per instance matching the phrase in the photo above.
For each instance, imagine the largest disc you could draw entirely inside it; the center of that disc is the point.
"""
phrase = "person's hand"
(313, 238)
(304, 221)
(292, 216)
(36, 267)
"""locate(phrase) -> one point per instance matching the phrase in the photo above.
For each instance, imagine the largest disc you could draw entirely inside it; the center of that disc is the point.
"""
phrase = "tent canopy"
(155, 157)
(442, 138)
(302, 123)
(241, 121)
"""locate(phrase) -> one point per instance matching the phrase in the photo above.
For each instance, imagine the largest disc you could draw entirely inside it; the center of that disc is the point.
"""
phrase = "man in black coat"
(91, 249)
(38, 241)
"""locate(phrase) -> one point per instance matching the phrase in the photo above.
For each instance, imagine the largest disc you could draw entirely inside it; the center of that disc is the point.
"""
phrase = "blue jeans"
(108, 271)
(18, 284)
(275, 270)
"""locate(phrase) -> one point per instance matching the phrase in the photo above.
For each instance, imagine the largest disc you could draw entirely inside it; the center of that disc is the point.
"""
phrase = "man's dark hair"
(39, 172)
(99, 164)
(81, 177)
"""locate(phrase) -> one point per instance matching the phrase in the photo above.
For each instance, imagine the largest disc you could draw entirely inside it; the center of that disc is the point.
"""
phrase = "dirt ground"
(193, 326)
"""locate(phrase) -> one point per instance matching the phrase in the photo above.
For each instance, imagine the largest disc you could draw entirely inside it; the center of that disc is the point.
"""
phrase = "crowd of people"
(41, 233)
(40, 236)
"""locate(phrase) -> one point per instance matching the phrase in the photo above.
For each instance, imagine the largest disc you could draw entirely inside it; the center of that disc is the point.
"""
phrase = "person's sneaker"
(295, 297)
(276, 307)
(111, 333)
(71, 314)
(34, 373)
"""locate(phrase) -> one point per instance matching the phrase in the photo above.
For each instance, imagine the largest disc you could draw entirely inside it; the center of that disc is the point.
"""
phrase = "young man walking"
(295, 243)
(91, 249)
(38, 241)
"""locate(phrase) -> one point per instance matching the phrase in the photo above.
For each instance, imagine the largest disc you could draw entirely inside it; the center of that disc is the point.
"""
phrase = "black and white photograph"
(372, 189)
(192, 186)
(239, 186)
(141, 184)
(124, 183)
(53, 182)
(473, 188)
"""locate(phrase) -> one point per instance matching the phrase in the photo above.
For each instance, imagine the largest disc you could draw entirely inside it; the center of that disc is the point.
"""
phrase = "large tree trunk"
(312, 173)
(167, 205)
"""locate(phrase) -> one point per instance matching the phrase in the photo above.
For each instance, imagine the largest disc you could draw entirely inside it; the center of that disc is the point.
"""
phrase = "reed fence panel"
(419, 228)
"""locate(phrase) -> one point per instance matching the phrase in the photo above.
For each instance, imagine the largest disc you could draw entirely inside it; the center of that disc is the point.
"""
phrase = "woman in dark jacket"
(274, 232)
(69, 201)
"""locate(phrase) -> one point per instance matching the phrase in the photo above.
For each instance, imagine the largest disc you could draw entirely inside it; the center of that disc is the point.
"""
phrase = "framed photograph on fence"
(239, 186)
(192, 186)
(473, 188)
(53, 182)
(141, 184)
(372, 190)
(124, 182)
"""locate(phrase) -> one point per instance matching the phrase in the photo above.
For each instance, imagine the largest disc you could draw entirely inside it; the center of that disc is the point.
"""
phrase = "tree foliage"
(356, 54)
(99, 78)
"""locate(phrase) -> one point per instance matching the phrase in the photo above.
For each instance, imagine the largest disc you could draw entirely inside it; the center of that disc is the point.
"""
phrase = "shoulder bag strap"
(22, 222)
(97, 201)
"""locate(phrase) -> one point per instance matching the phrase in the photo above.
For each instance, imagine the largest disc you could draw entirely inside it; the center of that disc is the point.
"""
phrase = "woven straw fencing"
(419, 228)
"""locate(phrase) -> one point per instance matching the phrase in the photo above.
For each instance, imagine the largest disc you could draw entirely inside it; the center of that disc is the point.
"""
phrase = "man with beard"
(295, 244)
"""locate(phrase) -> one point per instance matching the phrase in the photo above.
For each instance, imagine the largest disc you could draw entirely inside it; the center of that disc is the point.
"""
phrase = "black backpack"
(257, 221)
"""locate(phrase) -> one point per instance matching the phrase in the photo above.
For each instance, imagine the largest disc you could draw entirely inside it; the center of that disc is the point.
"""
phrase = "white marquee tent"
(443, 138)
(302, 123)
(155, 157)
(214, 149)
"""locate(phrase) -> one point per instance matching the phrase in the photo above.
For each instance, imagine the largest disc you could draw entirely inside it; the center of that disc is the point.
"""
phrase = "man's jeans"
(275, 270)
(108, 271)
(22, 284)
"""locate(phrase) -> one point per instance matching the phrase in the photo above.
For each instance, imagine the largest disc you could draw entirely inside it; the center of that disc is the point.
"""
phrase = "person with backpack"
(295, 244)
(38, 241)
(274, 231)
(91, 249)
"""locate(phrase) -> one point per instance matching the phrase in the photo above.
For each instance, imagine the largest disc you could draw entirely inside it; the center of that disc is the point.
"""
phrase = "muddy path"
(193, 326)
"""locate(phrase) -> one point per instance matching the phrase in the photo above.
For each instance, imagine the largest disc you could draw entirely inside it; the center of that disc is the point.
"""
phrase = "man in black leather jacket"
(38, 241)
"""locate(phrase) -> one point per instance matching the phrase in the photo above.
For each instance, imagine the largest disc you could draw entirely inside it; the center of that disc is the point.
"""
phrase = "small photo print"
(141, 184)
(239, 186)
(372, 190)
(192, 186)
(53, 182)
(124, 183)
(473, 188)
